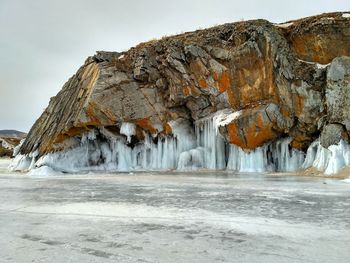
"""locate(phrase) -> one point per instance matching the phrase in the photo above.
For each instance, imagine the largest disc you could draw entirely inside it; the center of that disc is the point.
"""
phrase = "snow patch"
(224, 117)
(318, 65)
(347, 15)
(284, 25)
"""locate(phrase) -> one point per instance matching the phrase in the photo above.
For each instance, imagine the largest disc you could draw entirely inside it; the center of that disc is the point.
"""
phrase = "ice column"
(330, 160)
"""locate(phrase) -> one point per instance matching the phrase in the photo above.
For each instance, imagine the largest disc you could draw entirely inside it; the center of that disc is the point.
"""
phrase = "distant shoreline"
(311, 173)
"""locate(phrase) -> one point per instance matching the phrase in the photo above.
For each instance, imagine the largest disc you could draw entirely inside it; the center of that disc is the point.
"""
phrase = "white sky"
(43, 43)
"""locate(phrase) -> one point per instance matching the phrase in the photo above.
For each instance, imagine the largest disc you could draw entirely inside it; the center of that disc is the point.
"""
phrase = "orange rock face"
(146, 125)
(256, 126)
(321, 38)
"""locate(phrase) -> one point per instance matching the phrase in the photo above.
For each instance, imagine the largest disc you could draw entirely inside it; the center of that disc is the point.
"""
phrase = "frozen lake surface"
(155, 217)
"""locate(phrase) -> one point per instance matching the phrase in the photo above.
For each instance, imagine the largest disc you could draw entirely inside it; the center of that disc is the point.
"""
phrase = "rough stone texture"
(257, 125)
(268, 71)
(320, 38)
(5, 152)
(332, 134)
(338, 91)
(7, 144)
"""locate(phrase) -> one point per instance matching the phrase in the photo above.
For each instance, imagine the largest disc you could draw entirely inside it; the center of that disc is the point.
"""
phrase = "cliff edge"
(255, 83)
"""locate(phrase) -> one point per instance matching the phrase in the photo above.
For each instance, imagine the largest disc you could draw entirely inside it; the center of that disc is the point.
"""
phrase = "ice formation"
(330, 160)
(44, 171)
(128, 129)
(276, 156)
(189, 148)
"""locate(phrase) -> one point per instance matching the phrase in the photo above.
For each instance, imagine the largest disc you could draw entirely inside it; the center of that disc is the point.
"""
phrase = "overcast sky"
(43, 42)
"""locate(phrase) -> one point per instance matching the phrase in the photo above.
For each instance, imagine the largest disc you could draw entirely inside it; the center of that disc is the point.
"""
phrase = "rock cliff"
(273, 81)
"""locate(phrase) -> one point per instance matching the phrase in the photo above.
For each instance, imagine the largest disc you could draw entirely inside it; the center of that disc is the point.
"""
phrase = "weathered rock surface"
(7, 144)
(269, 72)
(338, 91)
(333, 134)
(320, 38)
(255, 126)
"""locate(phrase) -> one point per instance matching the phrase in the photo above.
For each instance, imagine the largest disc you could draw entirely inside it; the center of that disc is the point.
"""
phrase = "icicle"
(213, 143)
(339, 157)
(282, 158)
(192, 159)
(128, 129)
(311, 154)
(330, 160)
(247, 162)
(285, 158)
(190, 148)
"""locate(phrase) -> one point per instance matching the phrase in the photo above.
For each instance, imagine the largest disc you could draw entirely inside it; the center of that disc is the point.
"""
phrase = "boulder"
(256, 126)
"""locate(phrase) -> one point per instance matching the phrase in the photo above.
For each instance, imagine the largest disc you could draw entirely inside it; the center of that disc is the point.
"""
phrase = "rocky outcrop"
(256, 126)
(332, 134)
(8, 142)
(275, 75)
(320, 38)
(338, 92)
(4, 152)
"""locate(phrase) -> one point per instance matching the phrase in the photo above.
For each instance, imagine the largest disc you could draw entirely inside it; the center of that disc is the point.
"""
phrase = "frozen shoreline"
(311, 172)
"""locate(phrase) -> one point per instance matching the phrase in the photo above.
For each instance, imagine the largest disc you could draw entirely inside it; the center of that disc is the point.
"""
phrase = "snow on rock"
(347, 15)
(224, 117)
(318, 65)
